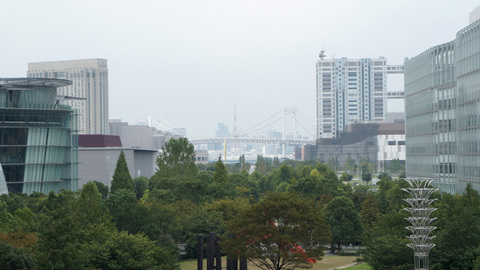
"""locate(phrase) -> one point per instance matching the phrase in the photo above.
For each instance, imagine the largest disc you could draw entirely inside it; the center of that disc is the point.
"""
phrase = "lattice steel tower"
(420, 211)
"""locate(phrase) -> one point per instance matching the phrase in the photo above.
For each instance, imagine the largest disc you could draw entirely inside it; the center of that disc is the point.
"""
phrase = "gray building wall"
(139, 136)
(98, 164)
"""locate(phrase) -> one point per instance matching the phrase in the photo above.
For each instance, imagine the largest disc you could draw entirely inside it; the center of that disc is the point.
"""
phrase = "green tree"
(344, 220)
(261, 165)
(90, 207)
(350, 165)
(284, 174)
(220, 175)
(140, 184)
(244, 166)
(103, 189)
(269, 232)
(61, 236)
(458, 231)
(128, 251)
(127, 214)
(13, 258)
(386, 243)
(346, 177)
(121, 177)
(369, 211)
(177, 160)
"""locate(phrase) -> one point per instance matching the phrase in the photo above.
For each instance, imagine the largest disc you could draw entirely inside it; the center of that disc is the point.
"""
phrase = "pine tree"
(121, 176)
(220, 175)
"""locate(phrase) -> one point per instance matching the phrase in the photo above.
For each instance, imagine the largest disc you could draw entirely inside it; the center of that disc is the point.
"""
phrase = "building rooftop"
(29, 83)
(99, 140)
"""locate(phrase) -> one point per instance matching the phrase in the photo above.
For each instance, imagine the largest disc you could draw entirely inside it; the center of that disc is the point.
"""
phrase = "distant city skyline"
(190, 61)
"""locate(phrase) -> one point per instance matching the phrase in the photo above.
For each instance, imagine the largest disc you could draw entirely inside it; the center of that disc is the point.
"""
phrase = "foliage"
(177, 160)
(350, 165)
(140, 184)
(284, 174)
(15, 258)
(103, 189)
(386, 243)
(220, 175)
(346, 177)
(369, 211)
(128, 251)
(269, 232)
(344, 220)
(395, 166)
(244, 166)
(458, 231)
(121, 177)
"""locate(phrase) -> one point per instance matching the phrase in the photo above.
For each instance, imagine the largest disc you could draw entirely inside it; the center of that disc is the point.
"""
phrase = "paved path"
(344, 266)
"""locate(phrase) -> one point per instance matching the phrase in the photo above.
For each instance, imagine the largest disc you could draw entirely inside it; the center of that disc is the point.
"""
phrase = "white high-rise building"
(88, 93)
(351, 91)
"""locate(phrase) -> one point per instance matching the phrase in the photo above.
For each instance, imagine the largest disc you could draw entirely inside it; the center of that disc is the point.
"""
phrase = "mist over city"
(182, 134)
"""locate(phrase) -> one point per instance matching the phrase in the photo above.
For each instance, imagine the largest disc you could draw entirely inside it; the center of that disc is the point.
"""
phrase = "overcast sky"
(187, 61)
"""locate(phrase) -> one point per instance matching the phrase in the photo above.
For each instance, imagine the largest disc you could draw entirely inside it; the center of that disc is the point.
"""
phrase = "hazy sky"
(188, 60)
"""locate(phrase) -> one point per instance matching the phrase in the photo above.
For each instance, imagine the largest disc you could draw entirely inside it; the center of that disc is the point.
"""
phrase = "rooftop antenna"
(322, 54)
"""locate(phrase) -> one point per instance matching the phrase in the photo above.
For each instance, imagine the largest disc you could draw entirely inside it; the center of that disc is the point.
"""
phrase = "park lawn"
(328, 262)
(362, 266)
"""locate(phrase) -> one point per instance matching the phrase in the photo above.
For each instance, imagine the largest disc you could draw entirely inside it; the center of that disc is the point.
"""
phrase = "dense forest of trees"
(138, 223)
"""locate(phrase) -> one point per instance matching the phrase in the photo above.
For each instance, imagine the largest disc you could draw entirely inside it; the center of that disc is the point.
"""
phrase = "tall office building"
(351, 91)
(442, 88)
(88, 93)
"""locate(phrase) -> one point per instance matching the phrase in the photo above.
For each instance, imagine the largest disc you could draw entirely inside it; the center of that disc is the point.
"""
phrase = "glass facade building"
(38, 140)
(442, 89)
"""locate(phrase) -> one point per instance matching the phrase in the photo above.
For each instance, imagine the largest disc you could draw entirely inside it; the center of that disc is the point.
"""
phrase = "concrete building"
(139, 136)
(38, 140)
(98, 155)
(351, 91)
(378, 143)
(88, 93)
(442, 88)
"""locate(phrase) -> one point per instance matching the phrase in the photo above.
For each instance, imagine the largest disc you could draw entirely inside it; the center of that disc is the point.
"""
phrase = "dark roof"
(99, 140)
(391, 128)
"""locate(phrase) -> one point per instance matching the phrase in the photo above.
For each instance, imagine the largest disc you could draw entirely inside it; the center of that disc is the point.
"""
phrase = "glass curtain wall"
(37, 136)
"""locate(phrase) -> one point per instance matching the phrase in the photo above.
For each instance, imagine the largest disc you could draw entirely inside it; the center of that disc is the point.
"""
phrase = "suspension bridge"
(292, 123)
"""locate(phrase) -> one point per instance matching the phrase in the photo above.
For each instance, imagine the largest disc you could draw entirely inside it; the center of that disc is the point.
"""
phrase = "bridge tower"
(285, 113)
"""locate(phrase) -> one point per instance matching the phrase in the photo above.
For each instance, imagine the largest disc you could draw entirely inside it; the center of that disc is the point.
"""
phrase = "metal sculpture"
(420, 211)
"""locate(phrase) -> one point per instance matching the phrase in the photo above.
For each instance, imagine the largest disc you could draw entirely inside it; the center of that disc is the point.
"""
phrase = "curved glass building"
(38, 137)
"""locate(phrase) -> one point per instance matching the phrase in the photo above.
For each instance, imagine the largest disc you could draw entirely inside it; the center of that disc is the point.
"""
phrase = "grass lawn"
(328, 262)
(362, 266)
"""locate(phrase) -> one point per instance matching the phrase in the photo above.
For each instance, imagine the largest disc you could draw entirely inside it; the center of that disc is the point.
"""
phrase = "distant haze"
(188, 60)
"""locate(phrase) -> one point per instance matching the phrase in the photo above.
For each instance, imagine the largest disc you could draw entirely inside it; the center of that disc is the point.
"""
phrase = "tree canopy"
(282, 231)
(177, 160)
(121, 177)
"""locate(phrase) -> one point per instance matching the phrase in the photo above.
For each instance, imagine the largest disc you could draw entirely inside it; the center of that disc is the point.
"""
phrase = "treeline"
(138, 223)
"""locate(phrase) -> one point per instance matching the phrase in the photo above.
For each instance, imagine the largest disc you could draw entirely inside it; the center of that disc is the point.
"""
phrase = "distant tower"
(235, 131)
